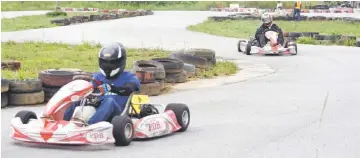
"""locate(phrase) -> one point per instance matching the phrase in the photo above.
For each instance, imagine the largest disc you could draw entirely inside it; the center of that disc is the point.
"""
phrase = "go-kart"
(272, 47)
(120, 130)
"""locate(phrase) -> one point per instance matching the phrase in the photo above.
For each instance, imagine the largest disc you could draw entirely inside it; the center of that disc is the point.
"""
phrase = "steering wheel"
(89, 78)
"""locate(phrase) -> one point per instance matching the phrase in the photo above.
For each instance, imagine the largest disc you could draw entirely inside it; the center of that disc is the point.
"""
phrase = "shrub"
(56, 13)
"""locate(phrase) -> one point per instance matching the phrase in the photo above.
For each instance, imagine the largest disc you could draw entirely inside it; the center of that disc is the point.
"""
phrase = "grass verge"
(38, 56)
(247, 28)
(154, 5)
(34, 21)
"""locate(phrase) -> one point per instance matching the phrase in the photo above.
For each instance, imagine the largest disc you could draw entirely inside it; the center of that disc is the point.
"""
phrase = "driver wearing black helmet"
(116, 85)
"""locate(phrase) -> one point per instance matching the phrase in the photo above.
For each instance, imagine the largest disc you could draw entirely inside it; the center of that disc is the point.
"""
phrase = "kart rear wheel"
(123, 130)
(248, 48)
(25, 116)
(291, 43)
(182, 113)
(238, 45)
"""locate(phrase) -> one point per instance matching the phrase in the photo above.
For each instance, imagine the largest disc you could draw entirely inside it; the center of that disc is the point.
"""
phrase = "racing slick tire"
(238, 45)
(182, 114)
(25, 116)
(291, 44)
(123, 130)
(248, 48)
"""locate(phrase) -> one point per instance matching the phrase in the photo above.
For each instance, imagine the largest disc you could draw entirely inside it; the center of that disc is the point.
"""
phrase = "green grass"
(223, 68)
(38, 56)
(153, 5)
(308, 40)
(33, 21)
(247, 28)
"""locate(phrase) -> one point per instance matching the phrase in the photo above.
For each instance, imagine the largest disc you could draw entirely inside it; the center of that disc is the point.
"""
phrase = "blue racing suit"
(111, 103)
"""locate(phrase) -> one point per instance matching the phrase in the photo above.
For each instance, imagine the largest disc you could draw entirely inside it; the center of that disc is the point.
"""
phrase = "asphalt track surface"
(308, 108)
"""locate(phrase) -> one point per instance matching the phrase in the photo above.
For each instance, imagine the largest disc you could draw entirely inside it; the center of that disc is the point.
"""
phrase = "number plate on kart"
(96, 137)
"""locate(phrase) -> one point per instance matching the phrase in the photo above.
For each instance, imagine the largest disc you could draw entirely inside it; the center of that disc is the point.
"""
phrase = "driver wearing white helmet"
(267, 24)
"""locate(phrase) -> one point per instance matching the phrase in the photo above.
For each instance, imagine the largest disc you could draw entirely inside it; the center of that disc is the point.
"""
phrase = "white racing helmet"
(266, 19)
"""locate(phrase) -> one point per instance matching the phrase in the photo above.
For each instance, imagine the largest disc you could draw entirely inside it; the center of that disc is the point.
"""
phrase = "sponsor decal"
(155, 126)
(96, 137)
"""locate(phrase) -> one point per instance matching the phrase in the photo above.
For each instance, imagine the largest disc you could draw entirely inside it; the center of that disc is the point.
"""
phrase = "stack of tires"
(174, 70)
(25, 92)
(195, 58)
(4, 92)
(151, 75)
(53, 79)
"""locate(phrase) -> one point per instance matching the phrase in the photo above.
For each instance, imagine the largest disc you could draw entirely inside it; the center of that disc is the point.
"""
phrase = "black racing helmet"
(112, 60)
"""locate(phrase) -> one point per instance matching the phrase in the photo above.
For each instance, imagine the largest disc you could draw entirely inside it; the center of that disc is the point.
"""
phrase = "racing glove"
(124, 90)
(104, 88)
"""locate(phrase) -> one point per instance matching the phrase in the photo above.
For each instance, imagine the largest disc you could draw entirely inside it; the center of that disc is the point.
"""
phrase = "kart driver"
(117, 85)
(267, 24)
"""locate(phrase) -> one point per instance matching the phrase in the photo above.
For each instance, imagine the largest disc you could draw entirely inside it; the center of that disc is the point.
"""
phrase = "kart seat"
(84, 112)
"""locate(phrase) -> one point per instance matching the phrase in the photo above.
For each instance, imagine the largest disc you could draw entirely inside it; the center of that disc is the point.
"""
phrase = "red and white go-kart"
(50, 128)
(272, 47)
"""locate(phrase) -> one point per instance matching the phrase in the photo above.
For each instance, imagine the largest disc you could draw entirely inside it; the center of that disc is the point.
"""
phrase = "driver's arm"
(131, 86)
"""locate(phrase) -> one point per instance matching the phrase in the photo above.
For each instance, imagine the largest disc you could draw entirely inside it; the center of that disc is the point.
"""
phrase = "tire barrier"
(104, 15)
(146, 76)
(180, 77)
(283, 18)
(12, 65)
(170, 65)
(151, 89)
(58, 77)
(25, 86)
(4, 92)
(319, 37)
(50, 92)
(68, 9)
(204, 53)
(4, 99)
(317, 9)
(5, 85)
(151, 75)
(61, 22)
(150, 65)
(24, 92)
(199, 62)
(26, 98)
(189, 69)
(154, 75)
(53, 79)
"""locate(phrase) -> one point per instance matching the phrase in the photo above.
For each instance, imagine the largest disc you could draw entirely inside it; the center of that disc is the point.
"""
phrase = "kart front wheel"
(25, 116)
(123, 130)
(182, 114)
